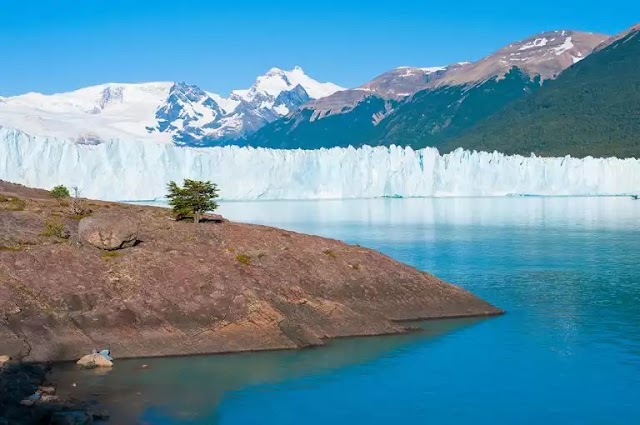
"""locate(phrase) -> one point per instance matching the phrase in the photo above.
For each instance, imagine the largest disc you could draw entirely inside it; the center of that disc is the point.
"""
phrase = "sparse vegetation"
(78, 208)
(193, 199)
(329, 253)
(60, 192)
(109, 255)
(244, 259)
(79, 216)
(12, 204)
(13, 248)
(54, 227)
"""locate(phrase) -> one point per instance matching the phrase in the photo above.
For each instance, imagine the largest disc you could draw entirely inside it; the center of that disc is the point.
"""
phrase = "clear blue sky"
(58, 45)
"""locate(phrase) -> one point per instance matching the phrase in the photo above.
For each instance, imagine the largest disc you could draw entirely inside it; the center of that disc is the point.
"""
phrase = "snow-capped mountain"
(429, 103)
(168, 112)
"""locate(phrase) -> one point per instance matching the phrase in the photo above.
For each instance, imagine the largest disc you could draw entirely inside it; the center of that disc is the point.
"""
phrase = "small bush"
(109, 255)
(79, 209)
(54, 228)
(60, 192)
(329, 253)
(244, 259)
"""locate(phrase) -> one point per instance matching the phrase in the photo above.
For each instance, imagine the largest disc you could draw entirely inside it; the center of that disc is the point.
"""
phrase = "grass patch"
(12, 248)
(12, 204)
(109, 255)
(243, 259)
(54, 227)
(79, 217)
(329, 253)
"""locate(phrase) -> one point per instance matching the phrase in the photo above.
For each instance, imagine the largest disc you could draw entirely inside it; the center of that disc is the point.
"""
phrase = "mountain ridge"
(373, 113)
(165, 111)
(591, 109)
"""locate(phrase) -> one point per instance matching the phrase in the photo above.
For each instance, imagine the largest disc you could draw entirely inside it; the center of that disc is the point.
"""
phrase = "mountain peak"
(545, 54)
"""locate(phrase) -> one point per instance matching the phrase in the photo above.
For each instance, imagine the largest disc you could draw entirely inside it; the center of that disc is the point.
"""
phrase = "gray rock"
(108, 231)
(94, 360)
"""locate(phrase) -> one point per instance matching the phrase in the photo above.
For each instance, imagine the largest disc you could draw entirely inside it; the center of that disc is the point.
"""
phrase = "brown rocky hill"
(546, 54)
(187, 289)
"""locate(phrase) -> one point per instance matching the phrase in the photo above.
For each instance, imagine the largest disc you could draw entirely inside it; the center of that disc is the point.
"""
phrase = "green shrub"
(244, 259)
(60, 191)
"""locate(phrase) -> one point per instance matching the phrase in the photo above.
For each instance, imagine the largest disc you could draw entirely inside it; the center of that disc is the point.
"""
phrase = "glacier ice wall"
(134, 170)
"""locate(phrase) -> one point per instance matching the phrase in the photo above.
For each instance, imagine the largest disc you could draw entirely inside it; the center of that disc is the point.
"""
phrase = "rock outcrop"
(4, 360)
(94, 360)
(109, 231)
(206, 288)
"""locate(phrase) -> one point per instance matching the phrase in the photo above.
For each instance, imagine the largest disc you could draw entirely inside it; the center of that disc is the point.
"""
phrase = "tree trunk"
(196, 218)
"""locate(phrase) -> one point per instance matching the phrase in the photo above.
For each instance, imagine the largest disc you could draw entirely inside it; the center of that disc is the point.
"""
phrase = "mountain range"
(434, 104)
(555, 93)
(170, 112)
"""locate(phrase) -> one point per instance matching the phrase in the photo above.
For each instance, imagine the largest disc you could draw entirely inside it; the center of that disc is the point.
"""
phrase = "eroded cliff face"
(188, 289)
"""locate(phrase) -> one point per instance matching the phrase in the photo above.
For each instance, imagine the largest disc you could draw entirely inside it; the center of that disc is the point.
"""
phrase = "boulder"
(108, 231)
(47, 389)
(49, 398)
(4, 360)
(94, 360)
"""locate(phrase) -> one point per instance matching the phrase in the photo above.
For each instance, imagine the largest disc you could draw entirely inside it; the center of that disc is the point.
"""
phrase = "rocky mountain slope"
(546, 54)
(187, 289)
(413, 106)
(166, 112)
(590, 109)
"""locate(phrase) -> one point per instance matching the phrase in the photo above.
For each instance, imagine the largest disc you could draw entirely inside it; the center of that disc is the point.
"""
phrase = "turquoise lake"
(566, 270)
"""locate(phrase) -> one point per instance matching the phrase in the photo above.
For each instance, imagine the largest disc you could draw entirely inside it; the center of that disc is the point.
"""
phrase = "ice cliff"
(134, 170)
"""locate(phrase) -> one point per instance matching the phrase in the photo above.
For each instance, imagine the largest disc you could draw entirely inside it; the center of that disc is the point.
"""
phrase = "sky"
(53, 46)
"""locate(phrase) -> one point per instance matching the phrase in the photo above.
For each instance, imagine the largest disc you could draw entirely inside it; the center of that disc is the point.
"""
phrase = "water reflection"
(189, 390)
(568, 351)
(586, 212)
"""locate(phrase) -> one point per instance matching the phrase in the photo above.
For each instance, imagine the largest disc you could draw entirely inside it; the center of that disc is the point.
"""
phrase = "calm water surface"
(568, 351)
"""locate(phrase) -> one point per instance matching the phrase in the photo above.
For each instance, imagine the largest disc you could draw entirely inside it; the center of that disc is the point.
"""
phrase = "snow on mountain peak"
(276, 80)
(161, 111)
(545, 54)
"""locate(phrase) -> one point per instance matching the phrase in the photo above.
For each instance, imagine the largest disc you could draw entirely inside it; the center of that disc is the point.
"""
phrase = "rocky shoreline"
(28, 398)
(132, 279)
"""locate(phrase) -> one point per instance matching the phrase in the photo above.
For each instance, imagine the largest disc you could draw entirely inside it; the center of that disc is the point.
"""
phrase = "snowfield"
(132, 170)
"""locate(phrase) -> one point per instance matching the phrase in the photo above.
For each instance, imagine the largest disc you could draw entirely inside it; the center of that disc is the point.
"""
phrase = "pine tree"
(193, 199)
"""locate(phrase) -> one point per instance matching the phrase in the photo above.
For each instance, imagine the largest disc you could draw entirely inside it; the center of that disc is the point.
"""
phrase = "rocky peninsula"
(182, 288)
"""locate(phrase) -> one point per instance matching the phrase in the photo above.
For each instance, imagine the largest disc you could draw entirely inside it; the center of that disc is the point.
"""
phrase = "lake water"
(567, 271)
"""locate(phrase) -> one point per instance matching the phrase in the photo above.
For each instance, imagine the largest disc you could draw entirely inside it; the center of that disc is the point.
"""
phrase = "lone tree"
(60, 191)
(193, 199)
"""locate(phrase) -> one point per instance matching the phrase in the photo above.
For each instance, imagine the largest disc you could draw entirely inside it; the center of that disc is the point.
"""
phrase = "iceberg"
(134, 170)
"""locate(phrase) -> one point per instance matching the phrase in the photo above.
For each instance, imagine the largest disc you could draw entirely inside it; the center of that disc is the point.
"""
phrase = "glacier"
(135, 170)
